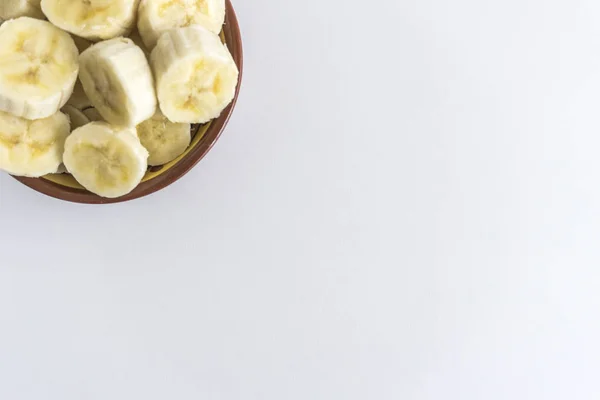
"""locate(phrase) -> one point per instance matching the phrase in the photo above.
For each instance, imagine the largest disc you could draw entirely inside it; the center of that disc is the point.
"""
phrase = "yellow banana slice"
(32, 148)
(158, 16)
(196, 75)
(118, 81)
(92, 19)
(107, 160)
(10, 9)
(76, 117)
(164, 140)
(38, 67)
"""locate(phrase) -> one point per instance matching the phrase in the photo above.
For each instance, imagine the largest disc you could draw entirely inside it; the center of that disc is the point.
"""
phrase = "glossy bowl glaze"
(65, 187)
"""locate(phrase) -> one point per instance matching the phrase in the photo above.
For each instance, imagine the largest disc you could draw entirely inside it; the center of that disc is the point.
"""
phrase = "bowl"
(65, 187)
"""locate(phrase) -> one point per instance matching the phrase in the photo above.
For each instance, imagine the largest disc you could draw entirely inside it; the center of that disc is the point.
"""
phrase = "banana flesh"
(92, 19)
(164, 140)
(117, 79)
(32, 148)
(196, 76)
(135, 99)
(38, 68)
(158, 16)
(107, 160)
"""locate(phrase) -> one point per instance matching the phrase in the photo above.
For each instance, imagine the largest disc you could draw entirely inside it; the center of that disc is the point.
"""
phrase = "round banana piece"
(118, 81)
(107, 160)
(164, 140)
(76, 117)
(32, 148)
(10, 9)
(155, 17)
(92, 19)
(38, 68)
(196, 75)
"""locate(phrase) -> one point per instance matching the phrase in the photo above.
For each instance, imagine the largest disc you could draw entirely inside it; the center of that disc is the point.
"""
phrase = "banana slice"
(38, 68)
(76, 117)
(117, 79)
(79, 99)
(158, 16)
(164, 140)
(92, 114)
(107, 160)
(10, 9)
(196, 75)
(92, 19)
(32, 148)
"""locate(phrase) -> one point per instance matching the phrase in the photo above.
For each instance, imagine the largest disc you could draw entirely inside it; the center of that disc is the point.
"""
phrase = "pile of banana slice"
(104, 88)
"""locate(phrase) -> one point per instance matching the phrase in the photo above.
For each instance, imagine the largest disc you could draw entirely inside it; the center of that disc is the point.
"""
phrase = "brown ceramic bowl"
(65, 187)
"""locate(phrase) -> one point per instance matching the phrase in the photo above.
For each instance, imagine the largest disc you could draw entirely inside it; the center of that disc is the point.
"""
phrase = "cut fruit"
(107, 160)
(118, 81)
(92, 19)
(159, 16)
(32, 148)
(164, 140)
(38, 68)
(196, 76)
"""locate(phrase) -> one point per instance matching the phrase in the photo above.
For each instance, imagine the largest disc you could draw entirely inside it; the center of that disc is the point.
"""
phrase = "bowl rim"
(233, 39)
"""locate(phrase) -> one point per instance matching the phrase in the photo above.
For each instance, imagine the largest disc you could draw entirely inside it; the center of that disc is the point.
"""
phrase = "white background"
(405, 206)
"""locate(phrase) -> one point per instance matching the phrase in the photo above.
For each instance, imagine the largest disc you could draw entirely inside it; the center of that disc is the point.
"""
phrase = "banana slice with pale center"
(158, 16)
(196, 76)
(107, 160)
(92, 19)
(38, 67)
(32, 148)
(76, 117)
(164, 140)
(10, 9)
(118, 81)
